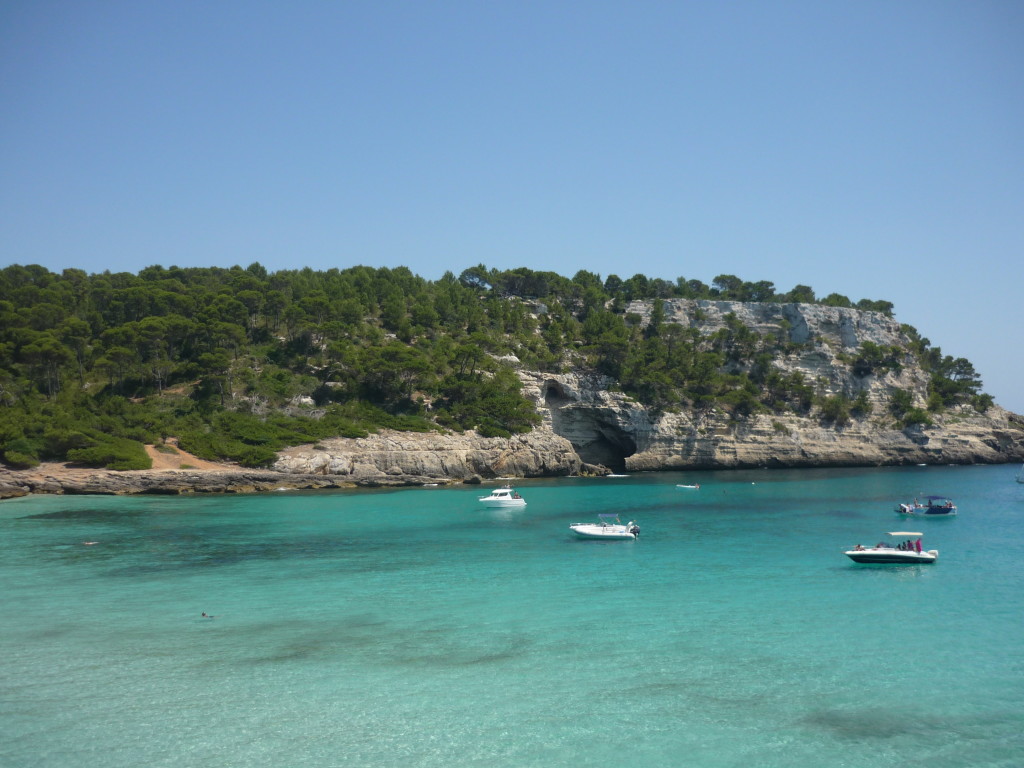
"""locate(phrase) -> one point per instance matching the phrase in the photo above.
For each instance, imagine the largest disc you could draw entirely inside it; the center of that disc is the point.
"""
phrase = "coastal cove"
(413, 626)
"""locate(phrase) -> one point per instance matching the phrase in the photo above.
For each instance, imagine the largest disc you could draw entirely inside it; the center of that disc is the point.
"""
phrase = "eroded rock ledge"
(110, 483)
(465, 456)
(388, 459)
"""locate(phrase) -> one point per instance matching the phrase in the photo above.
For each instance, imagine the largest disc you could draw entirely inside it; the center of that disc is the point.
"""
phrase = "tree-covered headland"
(239, 363)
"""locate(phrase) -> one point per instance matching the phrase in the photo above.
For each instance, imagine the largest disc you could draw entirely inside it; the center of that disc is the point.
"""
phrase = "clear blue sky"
(874, 149)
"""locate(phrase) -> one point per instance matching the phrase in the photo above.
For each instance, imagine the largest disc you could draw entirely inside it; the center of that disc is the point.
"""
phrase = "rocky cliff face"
(609, 428)
(822, 333)
(590, 427)
(433, 456)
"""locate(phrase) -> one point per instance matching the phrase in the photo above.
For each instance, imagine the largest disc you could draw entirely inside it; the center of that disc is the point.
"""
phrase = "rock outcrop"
(540, 453)
(75, 481)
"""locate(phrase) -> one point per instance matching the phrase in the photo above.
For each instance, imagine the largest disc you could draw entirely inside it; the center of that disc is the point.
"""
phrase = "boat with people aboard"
(608, 527)
(937, 506)
(505, 496)
(906, 550)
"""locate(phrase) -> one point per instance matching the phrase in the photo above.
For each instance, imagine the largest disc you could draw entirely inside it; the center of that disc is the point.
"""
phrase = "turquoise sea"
(415, 628)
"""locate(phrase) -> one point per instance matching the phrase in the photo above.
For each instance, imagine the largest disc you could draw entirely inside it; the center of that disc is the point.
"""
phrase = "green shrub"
(113, 453)
(836, 409)
(17, 460)
(492, 430)
(916, 416)
(900, 402)
(982, 402)
(861, 406)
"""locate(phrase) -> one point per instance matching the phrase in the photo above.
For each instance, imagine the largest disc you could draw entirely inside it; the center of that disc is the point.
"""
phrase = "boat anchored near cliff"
(503, 497)
(906, 552)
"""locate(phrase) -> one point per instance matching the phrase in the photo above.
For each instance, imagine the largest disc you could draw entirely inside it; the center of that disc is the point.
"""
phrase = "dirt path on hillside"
(176, 458)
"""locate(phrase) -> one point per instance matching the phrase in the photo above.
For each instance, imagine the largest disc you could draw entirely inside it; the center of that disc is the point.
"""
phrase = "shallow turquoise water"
(414, 628)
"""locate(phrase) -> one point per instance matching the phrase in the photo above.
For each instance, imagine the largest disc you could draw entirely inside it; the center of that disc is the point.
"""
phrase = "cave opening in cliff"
(596, 436)
(608, 446)
(554, 395)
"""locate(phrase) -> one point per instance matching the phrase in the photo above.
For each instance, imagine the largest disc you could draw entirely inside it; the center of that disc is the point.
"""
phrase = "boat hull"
(894, 557)
(607, 532)
(503, 502)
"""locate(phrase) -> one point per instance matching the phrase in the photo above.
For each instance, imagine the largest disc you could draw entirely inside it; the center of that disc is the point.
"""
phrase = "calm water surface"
(415, 628)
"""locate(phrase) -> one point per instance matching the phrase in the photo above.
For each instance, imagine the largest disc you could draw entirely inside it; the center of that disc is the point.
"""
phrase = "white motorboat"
(608, 527)
(905, 548)
(503, 497)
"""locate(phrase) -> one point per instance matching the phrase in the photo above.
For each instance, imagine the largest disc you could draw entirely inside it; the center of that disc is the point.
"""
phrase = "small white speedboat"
(608, 527)
(503, 497)
(906, 548)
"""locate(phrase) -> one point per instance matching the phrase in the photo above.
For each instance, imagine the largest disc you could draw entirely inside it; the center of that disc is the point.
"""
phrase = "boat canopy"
(905, 533)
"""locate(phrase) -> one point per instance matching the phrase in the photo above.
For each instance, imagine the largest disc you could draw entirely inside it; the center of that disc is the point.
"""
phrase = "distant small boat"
(1020, 475)
(614, 475)
(691, 487)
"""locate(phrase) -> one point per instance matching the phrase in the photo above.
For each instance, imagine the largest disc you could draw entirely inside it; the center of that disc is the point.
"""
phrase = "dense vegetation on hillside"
(238, 363)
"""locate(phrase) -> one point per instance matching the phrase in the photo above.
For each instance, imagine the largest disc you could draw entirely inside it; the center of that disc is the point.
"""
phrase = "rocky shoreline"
(395, 459)
(76, 481)
(590, 427)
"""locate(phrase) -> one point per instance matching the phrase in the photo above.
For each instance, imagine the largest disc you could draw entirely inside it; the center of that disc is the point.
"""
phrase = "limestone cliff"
(609, 428)
(466, 456)
(589, 426)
